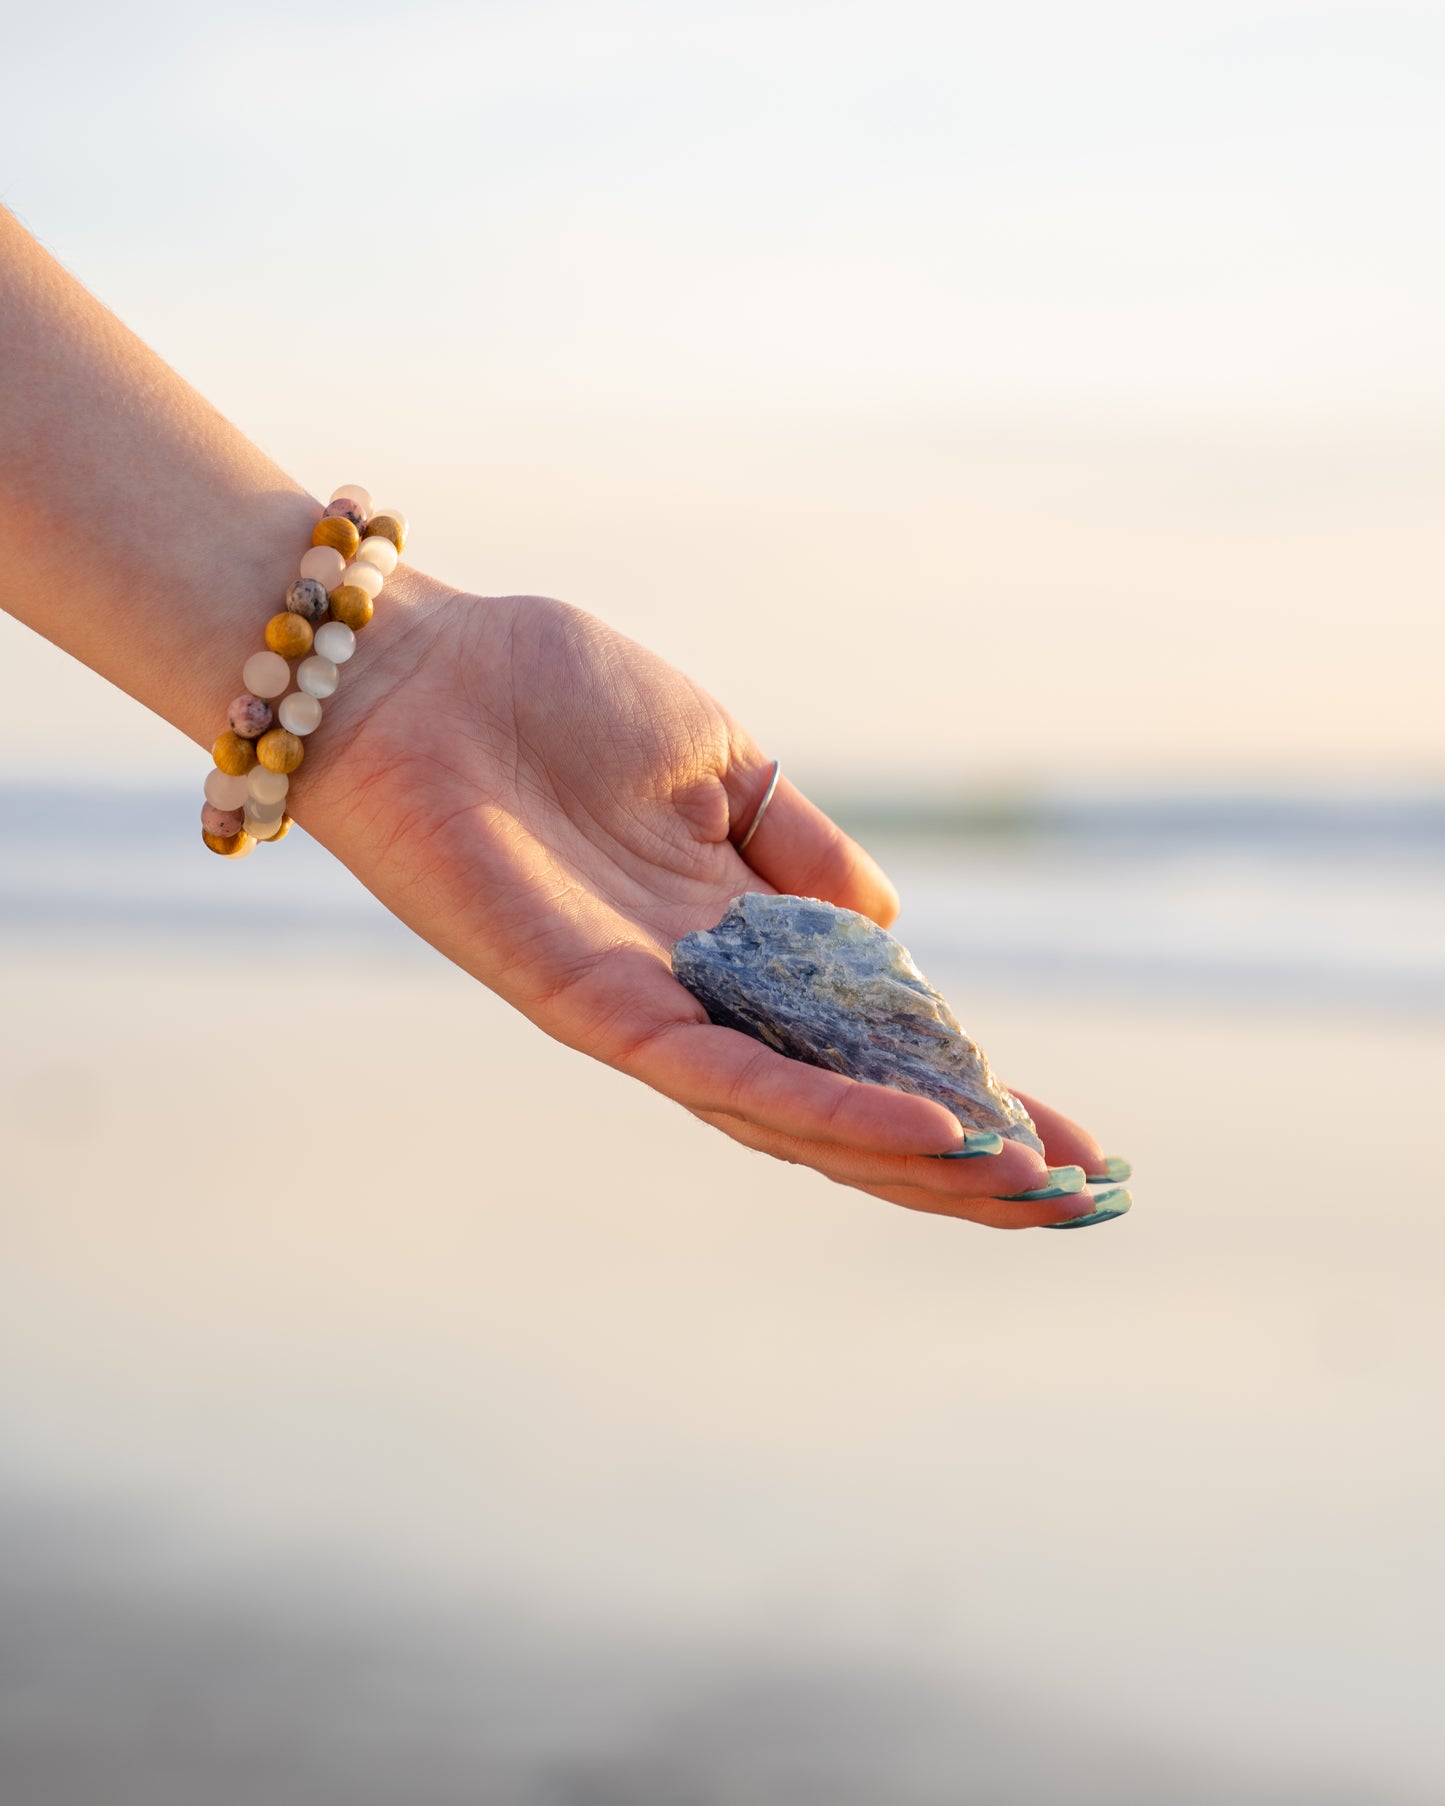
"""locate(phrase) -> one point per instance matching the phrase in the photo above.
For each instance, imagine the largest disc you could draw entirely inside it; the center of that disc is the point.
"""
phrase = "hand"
(549, 804)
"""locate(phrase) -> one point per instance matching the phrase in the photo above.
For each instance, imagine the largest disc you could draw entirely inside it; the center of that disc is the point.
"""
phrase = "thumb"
(798, 849)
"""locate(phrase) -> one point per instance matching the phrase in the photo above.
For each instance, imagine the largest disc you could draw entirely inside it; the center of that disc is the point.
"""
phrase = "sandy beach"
(444, 1340)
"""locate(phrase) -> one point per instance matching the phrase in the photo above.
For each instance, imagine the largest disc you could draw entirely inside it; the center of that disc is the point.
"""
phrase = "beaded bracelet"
(353, 551)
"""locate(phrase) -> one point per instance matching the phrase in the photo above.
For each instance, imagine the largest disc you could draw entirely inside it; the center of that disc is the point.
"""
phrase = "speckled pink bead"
(307, 598)
(224, 822)
(348, 510)
(248, 716)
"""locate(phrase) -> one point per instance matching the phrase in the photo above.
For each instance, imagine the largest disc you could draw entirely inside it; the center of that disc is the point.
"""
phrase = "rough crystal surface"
(828, 986)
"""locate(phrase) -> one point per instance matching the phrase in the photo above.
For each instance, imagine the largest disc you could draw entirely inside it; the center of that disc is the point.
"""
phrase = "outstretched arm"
(539, 797)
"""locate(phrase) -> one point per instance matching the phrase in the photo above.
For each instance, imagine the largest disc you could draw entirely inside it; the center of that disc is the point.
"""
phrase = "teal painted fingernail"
(981, 1141)
(1114, 1169)
(1107, 1206)
(1066, 1181)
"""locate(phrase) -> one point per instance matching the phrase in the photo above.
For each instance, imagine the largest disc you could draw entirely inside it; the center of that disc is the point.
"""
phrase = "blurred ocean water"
(1312, 902)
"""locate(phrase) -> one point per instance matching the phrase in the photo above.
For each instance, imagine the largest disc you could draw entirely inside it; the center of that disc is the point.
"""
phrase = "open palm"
(550, 805)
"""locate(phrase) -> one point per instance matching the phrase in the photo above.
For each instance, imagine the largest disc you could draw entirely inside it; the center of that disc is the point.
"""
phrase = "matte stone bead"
(352, 606)
(229, 846)
(344, 508)
(352, 492)
(335, 641)
(266, 674)
(365, 576)
(317, 676)
(307, 598)
(377, 550)
(258, 811)
(226, 791)
(263, 786)
(300, 713)
(288, 634)
(261, 830)
(325, 564)
(220, 822)
(280, 751)
(234, 754)
(339, 530)
(248, 716)
(390, 525)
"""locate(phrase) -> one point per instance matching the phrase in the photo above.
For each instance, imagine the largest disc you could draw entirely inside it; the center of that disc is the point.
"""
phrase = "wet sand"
(435, 1405)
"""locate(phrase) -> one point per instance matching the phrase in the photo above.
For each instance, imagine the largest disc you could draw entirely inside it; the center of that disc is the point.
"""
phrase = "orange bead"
(351, 605)
(229, 846)
(279, 751)
(282, 831)
(233, 755)
(387, 526)
(289, 634)
(336, 531)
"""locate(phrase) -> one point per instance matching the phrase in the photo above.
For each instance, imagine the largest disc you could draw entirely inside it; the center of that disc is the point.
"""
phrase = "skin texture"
(540, 798)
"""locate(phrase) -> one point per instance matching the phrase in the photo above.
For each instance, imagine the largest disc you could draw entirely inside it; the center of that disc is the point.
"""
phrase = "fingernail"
(1106, 1206)
(1114, 1169)
(980, 1141)
(1066, 1181)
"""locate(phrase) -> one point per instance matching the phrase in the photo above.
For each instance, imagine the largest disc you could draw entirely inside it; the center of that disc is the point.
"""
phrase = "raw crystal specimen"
(828, 986)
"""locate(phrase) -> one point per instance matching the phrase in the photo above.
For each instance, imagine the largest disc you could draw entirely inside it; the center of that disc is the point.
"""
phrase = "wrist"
(364, 729)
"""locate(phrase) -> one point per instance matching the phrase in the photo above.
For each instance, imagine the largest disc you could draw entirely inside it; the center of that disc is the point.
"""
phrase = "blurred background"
(1031, 422)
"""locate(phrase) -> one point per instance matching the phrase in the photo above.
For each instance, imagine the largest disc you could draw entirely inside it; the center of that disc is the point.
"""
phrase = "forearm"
(139, 530)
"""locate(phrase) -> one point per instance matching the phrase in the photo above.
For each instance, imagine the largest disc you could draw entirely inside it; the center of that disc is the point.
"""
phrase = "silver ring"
(762, 806)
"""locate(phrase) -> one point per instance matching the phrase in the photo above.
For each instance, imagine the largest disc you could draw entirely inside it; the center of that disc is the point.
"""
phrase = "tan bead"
(233, 755)
(229, 846)
(351, 605)
(335, 530)
(387, 526)
(280, 751)
(290, 635)
(283, 830)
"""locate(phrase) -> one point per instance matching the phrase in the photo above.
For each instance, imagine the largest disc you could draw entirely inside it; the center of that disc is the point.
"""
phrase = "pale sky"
(963, 394)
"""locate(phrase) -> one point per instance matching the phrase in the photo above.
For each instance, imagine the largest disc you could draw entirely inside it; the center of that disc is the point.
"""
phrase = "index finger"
(706, 1067)
(649, 1026)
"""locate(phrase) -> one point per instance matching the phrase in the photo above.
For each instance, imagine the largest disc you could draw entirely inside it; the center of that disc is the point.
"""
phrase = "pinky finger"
(990, 1213)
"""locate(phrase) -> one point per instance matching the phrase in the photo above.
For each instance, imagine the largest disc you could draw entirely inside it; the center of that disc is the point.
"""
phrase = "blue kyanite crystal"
(828, 986)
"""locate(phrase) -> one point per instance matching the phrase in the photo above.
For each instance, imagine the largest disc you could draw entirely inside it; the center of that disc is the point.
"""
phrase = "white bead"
(226, 792)
(317, 676)
(353, 492)
(266, 674)
(325, 564)
(335, 641)
(264, 812)
(365, 576)
(300, 714)
(265, 786)
(397, 515)
(261, 830)
(378, 551)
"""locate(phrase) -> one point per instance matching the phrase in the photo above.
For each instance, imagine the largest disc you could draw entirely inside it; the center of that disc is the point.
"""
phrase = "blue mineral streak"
(828, 986)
